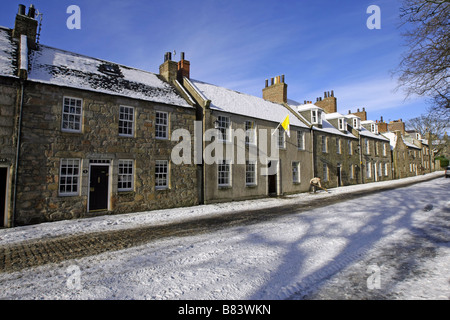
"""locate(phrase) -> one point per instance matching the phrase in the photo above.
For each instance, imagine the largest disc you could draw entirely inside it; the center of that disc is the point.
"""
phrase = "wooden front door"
(98, 188)
(3, 183)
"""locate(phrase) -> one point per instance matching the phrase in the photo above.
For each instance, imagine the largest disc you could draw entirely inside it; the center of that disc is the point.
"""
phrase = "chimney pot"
(332, 93)
(32, 12)
(22, 9)
(182, 55)
(272, 81)
(267, 83)
(282, 78)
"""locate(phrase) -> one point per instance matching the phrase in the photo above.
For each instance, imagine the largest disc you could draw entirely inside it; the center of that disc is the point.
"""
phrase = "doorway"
(98, 188)
(3, 192)
(273, 178)
(339, 176)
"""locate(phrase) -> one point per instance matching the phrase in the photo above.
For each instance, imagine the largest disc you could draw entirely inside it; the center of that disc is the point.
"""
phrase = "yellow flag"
(285, 126)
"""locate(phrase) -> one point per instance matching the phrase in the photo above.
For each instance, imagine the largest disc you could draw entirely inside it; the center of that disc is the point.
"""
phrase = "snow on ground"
(271, 260)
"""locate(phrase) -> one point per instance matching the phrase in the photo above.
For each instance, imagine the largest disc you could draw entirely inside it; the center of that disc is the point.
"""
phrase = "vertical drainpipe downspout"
(16, 166)
(312, 153)
(23, 76)
(361, 160)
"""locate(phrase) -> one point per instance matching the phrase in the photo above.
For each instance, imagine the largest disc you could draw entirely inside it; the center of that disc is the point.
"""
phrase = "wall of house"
(375, 157)
(407, 160)
(238, 190)
(333, 159)
(9, 94)
(44, 145)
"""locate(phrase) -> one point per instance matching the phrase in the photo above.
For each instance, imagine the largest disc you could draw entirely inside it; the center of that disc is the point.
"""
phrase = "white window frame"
(126, 121)
(325, 172)
(162, 125)
(224, 173)
(374, 128)
(73, 165)
(386, 169)
(301, 140)
(314, 116)
(250, 132)
(367, 146)
(324, 140)
(368, 170)
(342, 124)
(352, 172)
(338, 145)
(72, 114)
(224, 126)
(281, 139)
(161, 175)
(296, 172)
(350, 147)
(125, 176)
(250, 164)
(384, 149)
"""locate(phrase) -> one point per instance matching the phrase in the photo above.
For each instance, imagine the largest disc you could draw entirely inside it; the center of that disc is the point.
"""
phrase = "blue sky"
(319, 45)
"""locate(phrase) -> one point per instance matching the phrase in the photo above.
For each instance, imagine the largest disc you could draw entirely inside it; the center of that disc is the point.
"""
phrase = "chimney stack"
(26, 25)
(328, 103)
(184, 68)
(277, 91)
(169, 69)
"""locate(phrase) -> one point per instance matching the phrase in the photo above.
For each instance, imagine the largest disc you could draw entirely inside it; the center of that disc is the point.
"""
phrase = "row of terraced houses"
(82, 137)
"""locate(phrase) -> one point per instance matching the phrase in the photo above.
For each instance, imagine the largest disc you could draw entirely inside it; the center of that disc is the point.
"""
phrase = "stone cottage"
(81, 136)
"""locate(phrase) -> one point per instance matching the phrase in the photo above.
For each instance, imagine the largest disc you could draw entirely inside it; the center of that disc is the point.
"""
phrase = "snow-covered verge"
(157, 217)
(271, 260)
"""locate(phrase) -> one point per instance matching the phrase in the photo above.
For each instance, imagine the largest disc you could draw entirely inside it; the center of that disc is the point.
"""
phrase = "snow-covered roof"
(226, 100)
(329, 128)
(63, 68)
(367, 133)
(7, 54)
(392, 136)
(305, 107)
(334, 115)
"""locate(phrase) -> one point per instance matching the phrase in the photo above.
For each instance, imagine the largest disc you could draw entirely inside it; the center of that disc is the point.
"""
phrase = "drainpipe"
(16, 166)
(23, 76)
(361, 171)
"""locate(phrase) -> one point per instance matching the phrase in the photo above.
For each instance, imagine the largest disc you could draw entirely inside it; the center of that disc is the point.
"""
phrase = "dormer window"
(374, 128)
(342, 124)
(316, 116)
(356, 123)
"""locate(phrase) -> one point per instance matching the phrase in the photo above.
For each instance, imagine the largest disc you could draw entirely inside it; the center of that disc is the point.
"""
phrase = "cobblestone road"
(35, 253)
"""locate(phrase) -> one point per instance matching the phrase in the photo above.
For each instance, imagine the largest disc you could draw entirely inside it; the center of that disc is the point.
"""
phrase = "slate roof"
(226, 100)
(62, 68)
